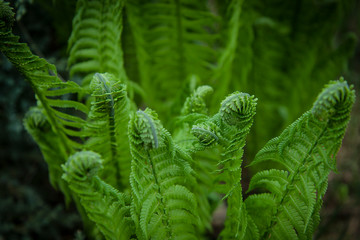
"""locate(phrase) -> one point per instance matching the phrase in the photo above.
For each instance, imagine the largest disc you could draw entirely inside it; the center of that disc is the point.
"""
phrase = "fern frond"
(173, 41)
(236, 113)
(196, 102)
(306, 150)
(275, 63)
(163, 203)
(38, 126)
(107, 128)
(229, 129)
(107, 207)
(223, 71)
(95, 42)
(42, 77)
(193, 111)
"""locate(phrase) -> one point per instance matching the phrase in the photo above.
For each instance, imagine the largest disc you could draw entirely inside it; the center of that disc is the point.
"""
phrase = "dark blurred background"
(31, 209)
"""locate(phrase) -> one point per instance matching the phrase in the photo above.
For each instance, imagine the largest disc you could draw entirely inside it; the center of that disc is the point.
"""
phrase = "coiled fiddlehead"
(306, 150)
(107, 128)
(164, 206)
(38, 126)
(107, 207)
(196, 102)
(336, 97)
(207, 133)
(229, 127)
(236, 118)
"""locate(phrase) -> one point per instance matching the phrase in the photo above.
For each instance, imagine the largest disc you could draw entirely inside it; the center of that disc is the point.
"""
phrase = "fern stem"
(113, 142)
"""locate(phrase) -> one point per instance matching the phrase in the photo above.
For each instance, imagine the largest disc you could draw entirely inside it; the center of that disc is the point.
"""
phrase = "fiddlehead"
(38, 126)
(236, 117)
(229, 129)
(196, 102)
(163, 205)
(207, 133)
(107, 128)
(107, 207)
(306, 150)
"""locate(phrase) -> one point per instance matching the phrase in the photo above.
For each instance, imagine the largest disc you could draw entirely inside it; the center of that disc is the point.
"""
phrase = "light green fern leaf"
(163, 204)
(95, 42)
(236, 117)
(107, 207)
(107, 127)
(173, 41)
(306, 150)
(53, 152)
(229, 129)
(43, 79)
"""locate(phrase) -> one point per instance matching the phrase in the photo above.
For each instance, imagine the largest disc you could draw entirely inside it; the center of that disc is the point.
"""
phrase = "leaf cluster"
(133, 176)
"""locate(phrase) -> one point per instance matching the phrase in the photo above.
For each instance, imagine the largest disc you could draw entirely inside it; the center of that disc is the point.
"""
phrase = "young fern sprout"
(164, 206)
(106, 127)
(306, 150)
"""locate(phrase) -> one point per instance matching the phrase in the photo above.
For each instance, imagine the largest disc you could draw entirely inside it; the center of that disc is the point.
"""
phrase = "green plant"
(130, 177)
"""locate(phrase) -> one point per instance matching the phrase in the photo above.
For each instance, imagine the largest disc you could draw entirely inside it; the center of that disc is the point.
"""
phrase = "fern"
(49, 91)
(223, 71)
(129, 176)
(107, 207)
(40, 129)
(285, 50)
(306, 150)
(169, 36)
(107, 128)
(95, 42)
(42, 77)
(163, 205)
(229, 128)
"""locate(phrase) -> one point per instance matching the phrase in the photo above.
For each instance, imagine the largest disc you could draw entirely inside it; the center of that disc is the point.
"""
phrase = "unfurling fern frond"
(38, 126)
(107, 207)
(42, 77)
(306, 151)
(95, 42)
(163, 204)
(229, 129)
(50, 91)
(236, 117)
(107, 127)
(193, 111)
(196, 103)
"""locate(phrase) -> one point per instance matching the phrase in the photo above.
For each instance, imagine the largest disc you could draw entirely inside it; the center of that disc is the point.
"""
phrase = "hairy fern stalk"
(159, 172)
